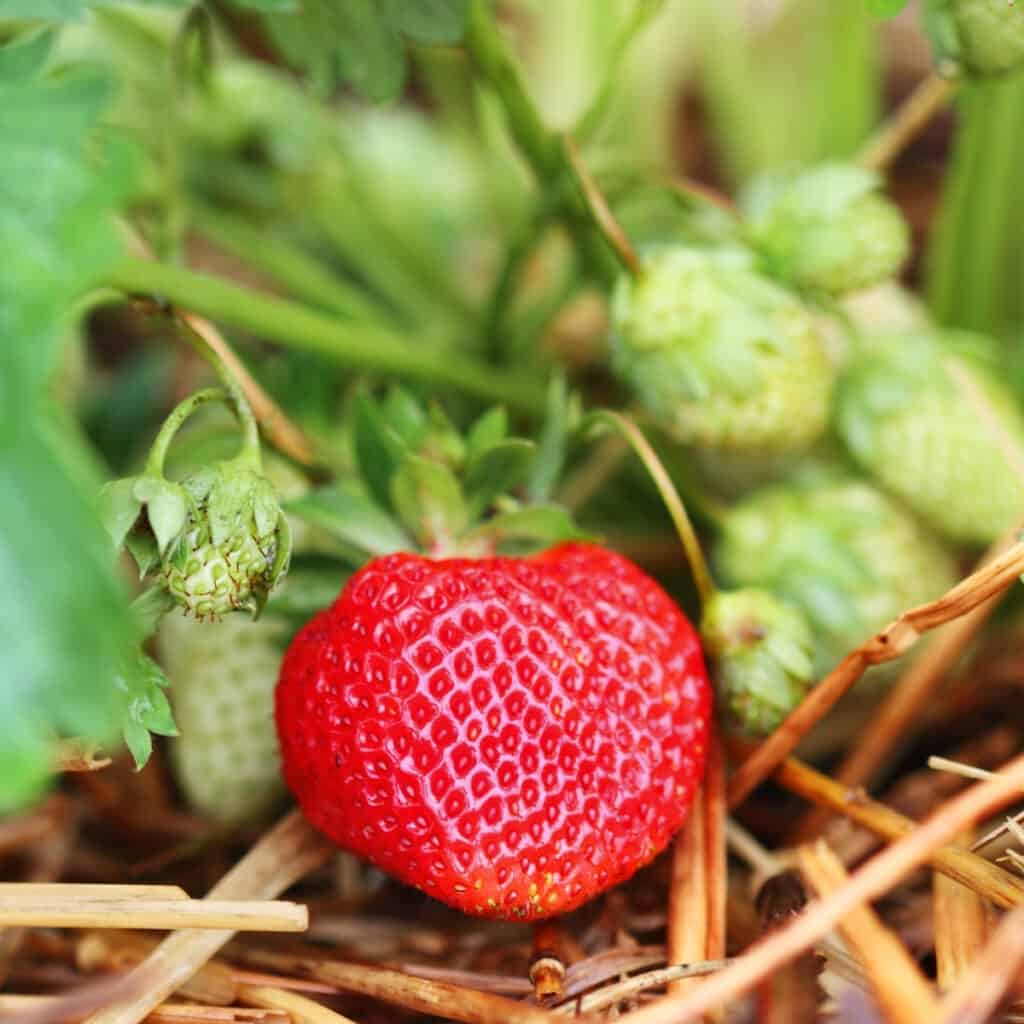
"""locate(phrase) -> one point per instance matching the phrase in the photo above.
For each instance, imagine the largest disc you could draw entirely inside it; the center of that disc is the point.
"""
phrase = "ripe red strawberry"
(511, 735)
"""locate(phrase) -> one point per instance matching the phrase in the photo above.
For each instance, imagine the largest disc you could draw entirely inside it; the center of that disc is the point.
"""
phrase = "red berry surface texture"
(511, 735)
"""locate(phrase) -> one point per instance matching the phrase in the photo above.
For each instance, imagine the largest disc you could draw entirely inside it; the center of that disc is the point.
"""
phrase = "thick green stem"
(973, 263)
(174, 423)
(357, 346)
(541, 148)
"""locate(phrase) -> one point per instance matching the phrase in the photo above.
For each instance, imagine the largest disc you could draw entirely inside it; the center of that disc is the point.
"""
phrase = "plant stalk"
(358, 346)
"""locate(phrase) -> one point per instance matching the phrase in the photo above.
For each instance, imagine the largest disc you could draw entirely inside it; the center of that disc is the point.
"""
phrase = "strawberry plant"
(365, 362)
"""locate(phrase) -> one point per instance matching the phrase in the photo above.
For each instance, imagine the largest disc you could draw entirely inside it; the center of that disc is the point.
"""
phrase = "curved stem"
(612, 230)
(673, 503)
(197, 337)
(930, 96)
(174, 423)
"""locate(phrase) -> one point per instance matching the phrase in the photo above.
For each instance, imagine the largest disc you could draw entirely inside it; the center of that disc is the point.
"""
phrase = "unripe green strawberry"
(721, 356)
(934, 441)
(826, 228)
(760, 649)
(229, 554)
(849, 557)
(984, 36)
(222, 676)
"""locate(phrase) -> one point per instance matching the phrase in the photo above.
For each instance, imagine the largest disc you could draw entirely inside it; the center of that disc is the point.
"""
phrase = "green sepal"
(561, 417)
(282, 556)
(167, 509)
(149, 608)
(496, 471)
(487, 431)
(119, 509)
(230, 504)
(141, 545)
(139, 741)
(379, 450)
(429, 501)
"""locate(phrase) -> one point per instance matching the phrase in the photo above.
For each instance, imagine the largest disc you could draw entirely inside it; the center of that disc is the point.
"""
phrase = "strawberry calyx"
(215, 542)
(423, 486)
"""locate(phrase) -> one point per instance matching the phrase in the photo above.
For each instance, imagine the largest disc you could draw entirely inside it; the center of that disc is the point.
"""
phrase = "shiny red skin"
(511, 735)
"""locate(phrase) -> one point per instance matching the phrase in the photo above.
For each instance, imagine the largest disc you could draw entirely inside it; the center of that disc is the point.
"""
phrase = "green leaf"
(26, 56)
(166, 509)
(346, 512)
(351, 42)
(378, 449)
(488, 430)
(429, 21)
(496, 471)
(429, 501)
(141, 684)
(65, 624)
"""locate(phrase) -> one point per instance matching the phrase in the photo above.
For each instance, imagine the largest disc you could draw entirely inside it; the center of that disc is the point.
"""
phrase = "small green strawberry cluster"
(983, 37)
(723, 345)
(856, 442)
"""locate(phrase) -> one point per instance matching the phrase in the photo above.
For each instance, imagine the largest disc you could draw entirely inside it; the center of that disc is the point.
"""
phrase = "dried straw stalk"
(901, 989)
(982, 876)
(290, 850)
(871, 881)
(975, 997)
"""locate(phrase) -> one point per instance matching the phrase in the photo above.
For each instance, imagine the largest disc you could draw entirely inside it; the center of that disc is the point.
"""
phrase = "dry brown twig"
(76, 756)
(63, 905)
(929, 97)
(282, 856)
(868, 883)
(716, 869)
(299, 1009)
(901, 989)
(688, 894)
(627, 988)
(892, 642)
(423, 995)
